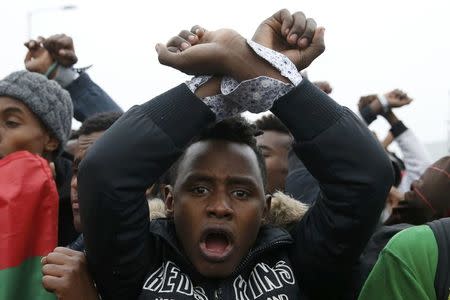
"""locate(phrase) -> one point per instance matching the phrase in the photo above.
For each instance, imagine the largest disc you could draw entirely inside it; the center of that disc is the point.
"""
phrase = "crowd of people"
(183, 198)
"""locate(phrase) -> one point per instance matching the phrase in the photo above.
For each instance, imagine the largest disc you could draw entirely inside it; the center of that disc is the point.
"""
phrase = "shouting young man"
(213, 245)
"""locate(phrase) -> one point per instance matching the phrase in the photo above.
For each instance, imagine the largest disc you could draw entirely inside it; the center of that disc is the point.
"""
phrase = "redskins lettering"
(169, 279)
(263, 279)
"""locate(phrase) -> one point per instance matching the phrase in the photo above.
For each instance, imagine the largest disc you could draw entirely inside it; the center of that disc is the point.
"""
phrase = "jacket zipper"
(257, 251)
(218, 294)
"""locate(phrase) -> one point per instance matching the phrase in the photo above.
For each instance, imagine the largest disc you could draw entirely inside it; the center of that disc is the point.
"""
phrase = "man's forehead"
(222, 160)
(85, 141)
(271, 139)
(218, 153)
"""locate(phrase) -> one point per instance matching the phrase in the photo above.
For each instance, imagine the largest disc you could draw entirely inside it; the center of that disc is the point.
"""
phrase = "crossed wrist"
(384, 103)
(247, 65)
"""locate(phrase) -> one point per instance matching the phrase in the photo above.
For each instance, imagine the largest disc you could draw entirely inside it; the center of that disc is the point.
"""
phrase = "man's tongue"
(216, 242)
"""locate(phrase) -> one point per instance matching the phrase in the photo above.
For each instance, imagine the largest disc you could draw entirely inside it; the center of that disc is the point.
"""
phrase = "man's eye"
(11, 124)
(265, 154)
(199, 190)
(241, 194)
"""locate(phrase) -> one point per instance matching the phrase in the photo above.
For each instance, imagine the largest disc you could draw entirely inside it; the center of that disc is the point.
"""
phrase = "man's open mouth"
(216, 244)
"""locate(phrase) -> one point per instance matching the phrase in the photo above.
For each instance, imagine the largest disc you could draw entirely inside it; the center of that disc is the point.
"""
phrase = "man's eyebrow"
(198, 177)
(264, 147)
(12, 110)
(246, 180)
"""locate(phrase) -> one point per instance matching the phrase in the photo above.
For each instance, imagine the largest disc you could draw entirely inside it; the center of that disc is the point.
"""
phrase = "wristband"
(66, 76)
(384, 102)
(51, 69)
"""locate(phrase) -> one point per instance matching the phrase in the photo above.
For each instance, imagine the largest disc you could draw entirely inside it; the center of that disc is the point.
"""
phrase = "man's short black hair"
(236, 130)
(99, 122)
(271, 123)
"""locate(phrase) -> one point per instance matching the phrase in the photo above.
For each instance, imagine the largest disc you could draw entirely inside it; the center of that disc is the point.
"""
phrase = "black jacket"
(131, 256)
(88, 99)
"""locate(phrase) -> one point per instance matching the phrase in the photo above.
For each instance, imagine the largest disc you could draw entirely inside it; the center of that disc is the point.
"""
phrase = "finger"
(40, 40)
(67, 57)
(178, 42)
(58, 41)
(167, 57)
(31, 44)
(173, 49)
(188, 36)
(316, 48)
(57, 258)
(306, 38)
(51, 283)
(298, 27)
(66, 251)
(44, 260)
(284, 17)
(53, 270)
(198, 30)
(408, 101)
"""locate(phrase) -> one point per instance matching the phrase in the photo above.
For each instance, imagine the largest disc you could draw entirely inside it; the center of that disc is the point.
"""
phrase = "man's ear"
(268, 199)
(51, 144)
(168, 191)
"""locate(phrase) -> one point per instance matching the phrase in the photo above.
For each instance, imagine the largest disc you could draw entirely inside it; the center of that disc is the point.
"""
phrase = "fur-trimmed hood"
(284, 210)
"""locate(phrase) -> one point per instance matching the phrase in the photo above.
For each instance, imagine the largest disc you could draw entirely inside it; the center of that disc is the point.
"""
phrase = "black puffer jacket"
(131, 257)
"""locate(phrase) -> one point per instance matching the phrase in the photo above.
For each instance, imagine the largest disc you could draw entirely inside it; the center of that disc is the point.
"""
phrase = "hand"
(220, 52)
(62, 50)
(292, 35)
(37, 59)
(43, 52)
(66, 274)
(397, 98)
(206, 58)
(394, 198)
(324, 86)
(366, 100)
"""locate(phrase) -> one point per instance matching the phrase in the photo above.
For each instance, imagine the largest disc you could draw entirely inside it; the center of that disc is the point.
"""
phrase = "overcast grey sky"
(372, 46)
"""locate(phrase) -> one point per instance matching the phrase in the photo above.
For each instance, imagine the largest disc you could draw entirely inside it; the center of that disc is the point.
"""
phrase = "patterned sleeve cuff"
(197, 82)
(278, 61)
(255, 95)
(223, 108)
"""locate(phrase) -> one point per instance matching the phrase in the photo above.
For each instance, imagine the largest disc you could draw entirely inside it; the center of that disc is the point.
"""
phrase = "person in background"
(78, 283)
(54, 57)
(414, 264)
(90, 131)
(35, 122)
(285, 172)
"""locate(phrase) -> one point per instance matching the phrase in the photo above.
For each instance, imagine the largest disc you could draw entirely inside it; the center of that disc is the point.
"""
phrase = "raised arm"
(352, 168)
(55, 56)
(353, 171)
(113, 179)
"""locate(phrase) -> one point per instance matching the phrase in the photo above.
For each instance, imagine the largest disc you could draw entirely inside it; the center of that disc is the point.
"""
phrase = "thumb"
(166, 57)
(314, 49)
(317, 45)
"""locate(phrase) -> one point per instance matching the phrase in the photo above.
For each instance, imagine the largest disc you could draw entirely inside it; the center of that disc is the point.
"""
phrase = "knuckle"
(45, 281)
(51, 256)
(299, 15)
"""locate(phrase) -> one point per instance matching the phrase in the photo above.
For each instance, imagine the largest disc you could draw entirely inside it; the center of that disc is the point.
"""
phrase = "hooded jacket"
(131, 257)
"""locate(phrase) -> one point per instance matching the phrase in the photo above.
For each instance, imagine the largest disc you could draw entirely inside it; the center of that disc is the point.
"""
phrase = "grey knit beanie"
(45, 98)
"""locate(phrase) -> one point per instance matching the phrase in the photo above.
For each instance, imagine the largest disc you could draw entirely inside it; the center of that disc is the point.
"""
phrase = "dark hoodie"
(431, 201)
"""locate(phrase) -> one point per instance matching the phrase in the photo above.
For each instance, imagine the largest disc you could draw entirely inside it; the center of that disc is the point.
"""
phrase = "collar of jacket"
(269, 237)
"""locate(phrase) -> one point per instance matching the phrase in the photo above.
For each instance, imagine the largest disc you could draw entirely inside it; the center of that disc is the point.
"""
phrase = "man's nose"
(219, 206)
